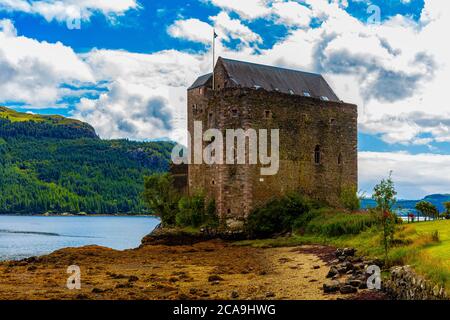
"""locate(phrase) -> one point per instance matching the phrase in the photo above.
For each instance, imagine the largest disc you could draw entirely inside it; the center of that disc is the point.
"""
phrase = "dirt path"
(207, 270)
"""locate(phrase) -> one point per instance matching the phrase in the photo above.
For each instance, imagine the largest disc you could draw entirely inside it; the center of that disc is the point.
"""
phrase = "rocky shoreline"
(192, 268)
(212, 269)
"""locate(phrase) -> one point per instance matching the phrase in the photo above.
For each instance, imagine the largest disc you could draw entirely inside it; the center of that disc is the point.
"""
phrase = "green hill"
(55, 164)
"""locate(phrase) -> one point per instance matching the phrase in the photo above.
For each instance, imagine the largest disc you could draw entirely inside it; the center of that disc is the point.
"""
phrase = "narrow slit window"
(340, 159)
(268, 114)
(317, 155)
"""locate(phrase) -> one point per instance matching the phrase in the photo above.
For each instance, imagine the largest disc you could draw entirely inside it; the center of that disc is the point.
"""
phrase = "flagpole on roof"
(214, 57)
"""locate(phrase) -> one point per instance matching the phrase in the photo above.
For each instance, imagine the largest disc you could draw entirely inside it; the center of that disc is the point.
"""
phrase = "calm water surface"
(26, 236)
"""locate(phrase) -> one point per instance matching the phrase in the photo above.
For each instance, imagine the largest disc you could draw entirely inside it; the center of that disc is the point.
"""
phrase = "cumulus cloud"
(248, 9)
(7, 28)
(431, 173)
(146, 97)
(227, 28)
(233, 29)
(292, 14)
(32, 72)
(191, 29)
(64, 10)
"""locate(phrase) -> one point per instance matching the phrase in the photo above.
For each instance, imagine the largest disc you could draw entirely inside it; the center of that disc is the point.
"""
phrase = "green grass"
(14, 116)
(441, 251)
(330, 224)
(415, 246)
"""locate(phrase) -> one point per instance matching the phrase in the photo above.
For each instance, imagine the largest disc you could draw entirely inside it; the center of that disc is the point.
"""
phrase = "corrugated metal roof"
(201, 81)
(251, 75)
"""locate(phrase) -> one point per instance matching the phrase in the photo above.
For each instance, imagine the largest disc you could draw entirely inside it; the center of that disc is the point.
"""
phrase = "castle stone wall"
(304, 124)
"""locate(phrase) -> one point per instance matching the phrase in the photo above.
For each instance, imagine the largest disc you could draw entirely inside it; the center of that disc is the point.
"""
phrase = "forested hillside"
(57, 165)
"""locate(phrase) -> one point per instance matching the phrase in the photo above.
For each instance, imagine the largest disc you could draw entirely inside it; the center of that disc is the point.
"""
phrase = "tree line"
(49, 174)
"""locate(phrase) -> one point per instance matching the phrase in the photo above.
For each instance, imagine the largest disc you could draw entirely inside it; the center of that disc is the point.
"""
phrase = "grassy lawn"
(415, 245)
(442, 250)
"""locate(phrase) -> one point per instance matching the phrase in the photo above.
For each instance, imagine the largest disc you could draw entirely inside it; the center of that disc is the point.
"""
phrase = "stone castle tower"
(318, 135)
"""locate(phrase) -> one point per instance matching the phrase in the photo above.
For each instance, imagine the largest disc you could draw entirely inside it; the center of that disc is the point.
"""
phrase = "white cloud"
(191, 29)
(63, 10)
(247, 9)
(292, 14)
(227, 28)
(415, 176)
(7, 28)
(146, 96)
(31, 72)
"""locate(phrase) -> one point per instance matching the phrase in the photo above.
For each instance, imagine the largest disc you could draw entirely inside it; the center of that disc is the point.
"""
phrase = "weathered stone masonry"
(318, 144)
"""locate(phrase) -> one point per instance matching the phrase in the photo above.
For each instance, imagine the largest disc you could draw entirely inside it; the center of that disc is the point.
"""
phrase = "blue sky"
(126, 69)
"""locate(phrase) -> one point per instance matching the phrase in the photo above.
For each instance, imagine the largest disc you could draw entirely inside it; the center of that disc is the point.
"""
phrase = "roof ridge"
(269, 66)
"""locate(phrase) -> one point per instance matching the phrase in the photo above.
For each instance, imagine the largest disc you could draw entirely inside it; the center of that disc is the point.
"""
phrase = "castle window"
(340, 159)
(229, 211)
(234, 112)
(213, 182)
(268, 114)
(332, 121)
(317, 155)
(306, 94)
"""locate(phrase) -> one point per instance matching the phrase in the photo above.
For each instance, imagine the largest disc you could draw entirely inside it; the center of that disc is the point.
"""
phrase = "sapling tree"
(385, 196)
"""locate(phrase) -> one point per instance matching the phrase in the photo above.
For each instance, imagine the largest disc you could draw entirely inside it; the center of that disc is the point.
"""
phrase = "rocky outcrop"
(174, 237)
(348, 272)
(405, 284)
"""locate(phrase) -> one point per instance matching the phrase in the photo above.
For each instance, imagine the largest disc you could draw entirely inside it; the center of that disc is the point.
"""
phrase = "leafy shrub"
(301, 223)
(191, 211)
(212, 220)
(334, 225)
(349, 198)
(195, 212)
(277, 216)
(161, 197)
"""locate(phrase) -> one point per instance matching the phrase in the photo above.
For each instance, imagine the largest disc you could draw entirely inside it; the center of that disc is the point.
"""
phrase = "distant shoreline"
(76, 215)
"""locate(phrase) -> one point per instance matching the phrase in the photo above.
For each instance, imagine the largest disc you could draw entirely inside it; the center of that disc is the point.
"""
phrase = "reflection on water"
(25, 236)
